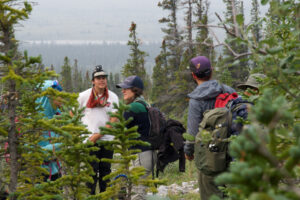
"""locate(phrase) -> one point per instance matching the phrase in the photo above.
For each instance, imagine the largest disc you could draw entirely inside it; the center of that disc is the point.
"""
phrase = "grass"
(190, 196)
(172, 175)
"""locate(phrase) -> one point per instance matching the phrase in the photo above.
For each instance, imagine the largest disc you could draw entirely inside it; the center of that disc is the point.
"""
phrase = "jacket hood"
(209, 90)
(44, 101)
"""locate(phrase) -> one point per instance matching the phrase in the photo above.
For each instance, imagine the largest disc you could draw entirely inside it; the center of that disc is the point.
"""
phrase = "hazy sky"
(102, 19)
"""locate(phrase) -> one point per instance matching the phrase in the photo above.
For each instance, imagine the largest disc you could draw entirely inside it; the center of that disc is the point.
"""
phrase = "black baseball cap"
(131, 81)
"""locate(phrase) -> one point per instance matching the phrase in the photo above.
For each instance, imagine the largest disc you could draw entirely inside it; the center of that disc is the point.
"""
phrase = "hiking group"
(213, 107)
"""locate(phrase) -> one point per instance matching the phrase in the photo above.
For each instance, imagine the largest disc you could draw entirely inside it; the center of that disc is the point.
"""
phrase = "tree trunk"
(13, 139)
(236, 28)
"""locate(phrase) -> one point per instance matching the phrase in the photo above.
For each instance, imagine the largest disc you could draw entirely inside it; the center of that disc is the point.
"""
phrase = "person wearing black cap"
(98, 101)
(132, 89)
(202, 98)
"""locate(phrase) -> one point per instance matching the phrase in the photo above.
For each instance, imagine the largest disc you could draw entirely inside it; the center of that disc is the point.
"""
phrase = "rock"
(186, 187)
(162, 190)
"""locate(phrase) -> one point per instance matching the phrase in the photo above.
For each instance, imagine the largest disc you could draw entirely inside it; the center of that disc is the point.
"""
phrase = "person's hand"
(96, 136)
(190, 158)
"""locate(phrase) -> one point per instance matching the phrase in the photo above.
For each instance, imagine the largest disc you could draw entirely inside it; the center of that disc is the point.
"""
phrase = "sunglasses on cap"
(55, 85)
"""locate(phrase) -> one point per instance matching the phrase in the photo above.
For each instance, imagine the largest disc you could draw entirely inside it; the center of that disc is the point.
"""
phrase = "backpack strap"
(229, 122)
(152, 159)
(222, 88)
(144, 104)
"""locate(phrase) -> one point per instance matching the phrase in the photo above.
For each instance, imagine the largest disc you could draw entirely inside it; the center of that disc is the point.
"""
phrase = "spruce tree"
(10, 16)
(204, 44)
(117, 80)
(189, 24)
(256, 24)
(24, 123)
(80, 80)
(173, 38)
(87, 81)
(125, 176)
(237, 67)
(255, 20)
(66, 75)
(70, 152)
(160, 83)
(112, 83)
(76, 78)
(136, 63)
(52, 67)
(174, 46)
(183, 83)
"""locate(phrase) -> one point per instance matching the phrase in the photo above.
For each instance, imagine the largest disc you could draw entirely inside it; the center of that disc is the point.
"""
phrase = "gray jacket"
(201, 99)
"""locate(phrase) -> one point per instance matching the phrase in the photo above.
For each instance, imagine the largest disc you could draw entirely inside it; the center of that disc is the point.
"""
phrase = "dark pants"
(101, 169)
(208, 187)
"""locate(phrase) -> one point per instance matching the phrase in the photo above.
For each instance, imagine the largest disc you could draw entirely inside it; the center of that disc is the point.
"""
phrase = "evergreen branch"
(285, 88)
(263, 151)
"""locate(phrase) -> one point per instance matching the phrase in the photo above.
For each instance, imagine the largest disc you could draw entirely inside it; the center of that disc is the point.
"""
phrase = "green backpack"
(211, 143)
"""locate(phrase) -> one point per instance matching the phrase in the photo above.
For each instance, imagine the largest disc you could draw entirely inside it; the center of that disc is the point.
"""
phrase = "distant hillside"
(112, 55)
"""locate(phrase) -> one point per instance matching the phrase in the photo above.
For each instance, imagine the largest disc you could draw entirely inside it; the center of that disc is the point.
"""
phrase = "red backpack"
(224, 98)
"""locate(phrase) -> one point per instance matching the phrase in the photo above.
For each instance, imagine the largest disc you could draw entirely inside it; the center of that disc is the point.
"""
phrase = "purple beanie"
(201, 66)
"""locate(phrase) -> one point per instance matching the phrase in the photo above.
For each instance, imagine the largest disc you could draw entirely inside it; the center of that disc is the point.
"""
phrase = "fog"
(103, 20)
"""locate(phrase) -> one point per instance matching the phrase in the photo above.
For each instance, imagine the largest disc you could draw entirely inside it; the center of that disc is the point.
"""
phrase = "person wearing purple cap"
(202, 98)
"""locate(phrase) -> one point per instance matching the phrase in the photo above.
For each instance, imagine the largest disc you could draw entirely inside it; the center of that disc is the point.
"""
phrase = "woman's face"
(127, 94)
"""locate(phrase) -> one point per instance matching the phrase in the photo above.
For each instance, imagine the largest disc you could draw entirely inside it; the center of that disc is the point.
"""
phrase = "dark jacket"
(140, 118)
(202, 98)
(172, 146)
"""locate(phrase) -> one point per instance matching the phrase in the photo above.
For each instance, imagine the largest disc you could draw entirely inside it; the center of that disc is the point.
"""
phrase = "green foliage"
(113, 80)
(77, 78)
(232, 63)
(66, 75)
(160, 82)
(73, 153)
(87, 83)
(24, 124)
(267, 152)
(124, 139)
(202, 36)
(188, 137)
(169, 77)
(257, 26)
(136, 63)
(172, 37)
